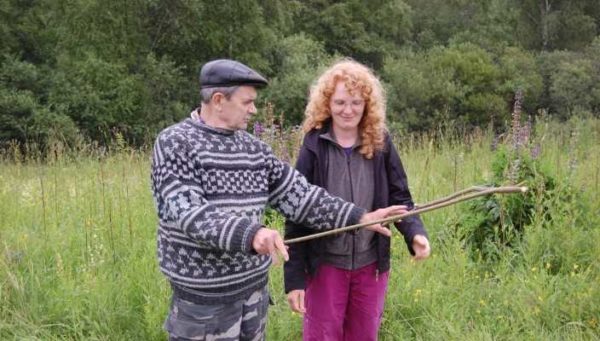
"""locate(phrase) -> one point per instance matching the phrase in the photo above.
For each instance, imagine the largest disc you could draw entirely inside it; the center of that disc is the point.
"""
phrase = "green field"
(78, 257)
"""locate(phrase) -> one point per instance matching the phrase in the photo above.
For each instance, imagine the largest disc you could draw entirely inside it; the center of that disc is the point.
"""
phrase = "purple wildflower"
(525, 133)
(535, 151)
(516, 119)
(258, 129)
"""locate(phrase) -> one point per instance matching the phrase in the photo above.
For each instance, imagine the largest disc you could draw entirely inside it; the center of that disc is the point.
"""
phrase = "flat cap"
(226, 72)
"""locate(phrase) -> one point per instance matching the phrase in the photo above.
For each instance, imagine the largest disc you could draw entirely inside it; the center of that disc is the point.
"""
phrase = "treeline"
(91, 68)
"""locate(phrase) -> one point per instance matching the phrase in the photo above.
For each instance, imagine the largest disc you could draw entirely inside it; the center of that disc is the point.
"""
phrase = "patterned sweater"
(211, 187)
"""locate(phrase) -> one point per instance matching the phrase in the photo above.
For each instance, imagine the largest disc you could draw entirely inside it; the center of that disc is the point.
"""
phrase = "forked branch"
(466, 194)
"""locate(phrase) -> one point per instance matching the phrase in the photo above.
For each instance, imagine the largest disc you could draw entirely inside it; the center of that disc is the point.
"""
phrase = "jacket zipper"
(355, 232)
(348, 160)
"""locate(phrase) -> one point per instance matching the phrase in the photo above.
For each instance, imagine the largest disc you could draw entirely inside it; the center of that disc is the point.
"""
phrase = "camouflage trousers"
(241, 320)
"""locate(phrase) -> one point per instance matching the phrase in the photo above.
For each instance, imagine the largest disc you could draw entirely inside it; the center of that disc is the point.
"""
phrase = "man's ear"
(217, 99)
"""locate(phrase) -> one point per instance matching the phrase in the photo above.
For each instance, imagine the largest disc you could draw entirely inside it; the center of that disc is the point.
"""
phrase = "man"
(211, 182)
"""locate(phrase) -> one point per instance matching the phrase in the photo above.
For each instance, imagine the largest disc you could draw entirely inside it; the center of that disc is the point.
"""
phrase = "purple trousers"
(344, 304)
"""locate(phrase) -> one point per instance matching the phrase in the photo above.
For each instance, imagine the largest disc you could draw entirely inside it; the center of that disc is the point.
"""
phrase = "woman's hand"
(296, 301)
(382, 213)
(420, 245)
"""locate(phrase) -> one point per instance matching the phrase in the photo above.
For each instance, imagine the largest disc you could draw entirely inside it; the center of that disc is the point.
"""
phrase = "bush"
(24, 114)
(460, 83)
(494, 223)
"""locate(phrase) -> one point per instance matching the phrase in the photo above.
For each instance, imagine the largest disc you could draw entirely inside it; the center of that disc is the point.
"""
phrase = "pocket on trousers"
(186, 329)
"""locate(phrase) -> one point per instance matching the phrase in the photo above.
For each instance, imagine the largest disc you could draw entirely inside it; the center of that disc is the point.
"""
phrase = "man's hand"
(420, 245)
(269, 242)
(382, 213)
(296, 301)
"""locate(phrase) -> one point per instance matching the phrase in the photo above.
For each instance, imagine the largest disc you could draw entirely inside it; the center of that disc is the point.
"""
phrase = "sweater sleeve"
(300, 202)
(400, 195)
(180, 200)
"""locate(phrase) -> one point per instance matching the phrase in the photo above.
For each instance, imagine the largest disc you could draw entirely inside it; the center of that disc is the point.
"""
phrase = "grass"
(78, 253)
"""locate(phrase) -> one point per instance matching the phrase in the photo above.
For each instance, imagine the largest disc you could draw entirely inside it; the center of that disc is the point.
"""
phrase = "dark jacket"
(391, 187)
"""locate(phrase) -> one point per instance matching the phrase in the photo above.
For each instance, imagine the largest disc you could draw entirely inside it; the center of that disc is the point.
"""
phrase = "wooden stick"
(434, 205)
(452, 196)
(461, 193)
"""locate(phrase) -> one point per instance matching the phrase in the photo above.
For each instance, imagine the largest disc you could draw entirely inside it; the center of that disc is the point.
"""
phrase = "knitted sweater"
(211, 187)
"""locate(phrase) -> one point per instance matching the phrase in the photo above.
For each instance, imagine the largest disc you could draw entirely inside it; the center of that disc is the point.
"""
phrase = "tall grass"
(77, 247)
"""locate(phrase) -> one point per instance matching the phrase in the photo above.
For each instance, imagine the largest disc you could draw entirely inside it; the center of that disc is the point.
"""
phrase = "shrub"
(494, 223)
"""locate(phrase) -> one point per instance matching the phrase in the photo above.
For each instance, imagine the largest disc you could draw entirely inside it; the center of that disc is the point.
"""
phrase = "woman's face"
(346, 109)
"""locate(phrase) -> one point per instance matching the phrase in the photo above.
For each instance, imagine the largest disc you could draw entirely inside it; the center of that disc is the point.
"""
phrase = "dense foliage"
(90, 68)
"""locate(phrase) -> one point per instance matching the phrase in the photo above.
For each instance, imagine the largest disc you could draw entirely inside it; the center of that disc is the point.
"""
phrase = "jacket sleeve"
(294, 270)
(400, 195)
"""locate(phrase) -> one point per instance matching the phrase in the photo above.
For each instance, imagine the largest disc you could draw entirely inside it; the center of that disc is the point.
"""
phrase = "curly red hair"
(358, 78)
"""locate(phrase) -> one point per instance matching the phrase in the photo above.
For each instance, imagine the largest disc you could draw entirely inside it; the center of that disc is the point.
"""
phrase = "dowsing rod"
(433, 205)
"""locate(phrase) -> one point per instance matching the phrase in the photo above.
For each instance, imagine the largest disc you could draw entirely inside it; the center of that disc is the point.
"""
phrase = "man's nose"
(252, 109)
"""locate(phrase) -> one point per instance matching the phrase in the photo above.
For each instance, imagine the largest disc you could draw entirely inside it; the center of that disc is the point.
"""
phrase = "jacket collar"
(325, 133)
(311, 139)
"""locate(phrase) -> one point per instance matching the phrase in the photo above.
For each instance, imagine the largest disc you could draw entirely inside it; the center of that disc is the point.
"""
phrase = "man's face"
(236, 110)
(346, 108)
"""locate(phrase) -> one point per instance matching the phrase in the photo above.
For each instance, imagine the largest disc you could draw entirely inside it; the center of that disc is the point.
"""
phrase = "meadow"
(78, 250)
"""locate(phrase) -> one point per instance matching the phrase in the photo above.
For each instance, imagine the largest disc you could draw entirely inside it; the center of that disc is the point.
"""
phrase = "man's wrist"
(253, 230)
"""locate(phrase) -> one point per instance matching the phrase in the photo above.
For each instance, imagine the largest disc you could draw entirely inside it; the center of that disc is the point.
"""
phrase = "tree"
(234, 29)
(24, 116)
(558, 24)
(299, 59)
(573, 86)
(461, 83)
(367, 32)
(437, 21)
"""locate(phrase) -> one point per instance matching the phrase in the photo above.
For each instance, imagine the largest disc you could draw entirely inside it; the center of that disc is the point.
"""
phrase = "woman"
(339, 282)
